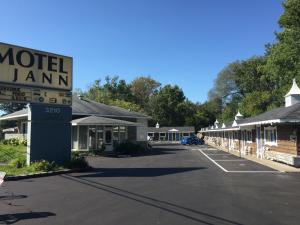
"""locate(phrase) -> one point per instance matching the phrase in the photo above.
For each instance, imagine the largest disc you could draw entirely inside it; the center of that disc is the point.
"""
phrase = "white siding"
(141, 131)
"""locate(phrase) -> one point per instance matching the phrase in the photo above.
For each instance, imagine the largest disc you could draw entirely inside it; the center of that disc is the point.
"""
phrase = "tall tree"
(11, 107)
(143, 88)
(283, 57)
(165, 106)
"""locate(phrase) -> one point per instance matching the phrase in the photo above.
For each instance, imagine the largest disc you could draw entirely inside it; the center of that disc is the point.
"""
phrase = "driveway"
(172, 184)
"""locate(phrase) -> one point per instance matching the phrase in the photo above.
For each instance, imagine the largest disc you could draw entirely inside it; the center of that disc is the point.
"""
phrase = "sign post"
(2, 175)
(44, 80)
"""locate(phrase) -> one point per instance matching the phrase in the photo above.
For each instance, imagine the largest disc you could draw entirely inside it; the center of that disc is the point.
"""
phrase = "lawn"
(13, 161)
(9, 152)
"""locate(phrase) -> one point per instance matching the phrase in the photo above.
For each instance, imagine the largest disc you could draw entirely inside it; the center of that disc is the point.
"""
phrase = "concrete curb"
(44, 174)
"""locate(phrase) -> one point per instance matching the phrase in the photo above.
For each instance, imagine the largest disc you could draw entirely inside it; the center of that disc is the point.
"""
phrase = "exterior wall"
(286, 150)
(141, 131)
(285, 141)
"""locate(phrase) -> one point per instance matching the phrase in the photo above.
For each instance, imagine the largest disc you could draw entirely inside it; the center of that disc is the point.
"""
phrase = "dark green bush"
(43, 165)
(128, 148)
(98, 151)
(78, 161)
(15, 142)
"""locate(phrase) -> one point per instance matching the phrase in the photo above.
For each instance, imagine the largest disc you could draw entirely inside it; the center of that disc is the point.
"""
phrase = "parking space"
(230, 163)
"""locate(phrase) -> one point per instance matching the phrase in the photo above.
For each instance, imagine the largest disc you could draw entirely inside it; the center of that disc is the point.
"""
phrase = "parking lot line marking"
(229, 160)
(236, 171)
(221, 167)
(253, 171)
(217, 154)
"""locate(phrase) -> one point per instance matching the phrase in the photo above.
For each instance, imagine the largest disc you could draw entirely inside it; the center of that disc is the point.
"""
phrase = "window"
(186, 134)
(162, 134)
(235, 135)
(123, 133)
(83, 137)
(116, 133)
(270, 135)
(150, 134)
(74, 138)
(248, 137)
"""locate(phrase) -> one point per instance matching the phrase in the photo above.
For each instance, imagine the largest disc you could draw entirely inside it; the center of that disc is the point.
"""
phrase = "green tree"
(143, 88)
(11, 107)
(283, 57)
(165, 106)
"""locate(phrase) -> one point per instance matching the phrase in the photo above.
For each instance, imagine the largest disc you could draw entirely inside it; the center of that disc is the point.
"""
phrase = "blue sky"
(184, 42)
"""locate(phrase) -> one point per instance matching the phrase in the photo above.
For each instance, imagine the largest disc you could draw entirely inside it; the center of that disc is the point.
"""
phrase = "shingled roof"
(282, 114)
(97, 120)
(171, 129)
(289, 114)
(86, 107)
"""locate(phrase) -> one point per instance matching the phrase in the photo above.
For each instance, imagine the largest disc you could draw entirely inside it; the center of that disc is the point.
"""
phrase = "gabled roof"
(86, 107)
(97, 120)
(171, 129)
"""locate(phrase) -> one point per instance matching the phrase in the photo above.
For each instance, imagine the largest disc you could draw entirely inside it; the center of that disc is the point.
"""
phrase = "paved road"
(175, 186)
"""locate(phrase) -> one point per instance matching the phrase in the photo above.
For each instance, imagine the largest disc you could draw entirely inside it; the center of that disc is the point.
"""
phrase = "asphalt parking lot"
(231, 163)
(171, 184)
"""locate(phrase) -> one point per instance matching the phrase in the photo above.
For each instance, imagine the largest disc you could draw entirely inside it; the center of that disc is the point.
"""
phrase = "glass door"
(100, 140)
(108, 140)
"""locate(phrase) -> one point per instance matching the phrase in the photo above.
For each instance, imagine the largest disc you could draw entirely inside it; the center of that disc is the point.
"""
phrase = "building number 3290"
(52, 110)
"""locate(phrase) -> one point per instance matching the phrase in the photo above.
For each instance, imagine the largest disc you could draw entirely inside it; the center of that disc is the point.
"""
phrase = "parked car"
(193, 140)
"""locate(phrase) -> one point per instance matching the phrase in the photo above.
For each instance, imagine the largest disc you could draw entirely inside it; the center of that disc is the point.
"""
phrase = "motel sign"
(44, 80)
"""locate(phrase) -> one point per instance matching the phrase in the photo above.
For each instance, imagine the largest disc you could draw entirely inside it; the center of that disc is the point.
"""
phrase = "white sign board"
(23, 66)
(34, 95)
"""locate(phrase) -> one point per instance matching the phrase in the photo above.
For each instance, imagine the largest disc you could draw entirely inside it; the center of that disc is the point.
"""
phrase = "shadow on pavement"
(12, 197)
(199, 217)
(15, 217)
(138, 172)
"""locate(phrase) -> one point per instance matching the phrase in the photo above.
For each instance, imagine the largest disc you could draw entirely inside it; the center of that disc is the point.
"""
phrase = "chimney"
(157, 125)
(293, 96)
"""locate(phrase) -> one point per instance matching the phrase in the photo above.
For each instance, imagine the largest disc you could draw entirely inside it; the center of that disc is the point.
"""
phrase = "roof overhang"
(271, 122)
(14, 117)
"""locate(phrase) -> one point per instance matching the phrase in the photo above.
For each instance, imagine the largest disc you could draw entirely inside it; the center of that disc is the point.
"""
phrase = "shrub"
(15, 142)
(18, 162)
(78, 161)
(128, 148)
(43, 165)
(98, 151)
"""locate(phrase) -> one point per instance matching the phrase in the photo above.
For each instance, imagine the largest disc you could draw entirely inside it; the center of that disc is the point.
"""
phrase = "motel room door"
(243, 142)
(259, 147)
(108, 139)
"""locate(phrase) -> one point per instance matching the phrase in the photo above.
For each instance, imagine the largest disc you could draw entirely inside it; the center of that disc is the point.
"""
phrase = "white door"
(259, 147)
(243, 142)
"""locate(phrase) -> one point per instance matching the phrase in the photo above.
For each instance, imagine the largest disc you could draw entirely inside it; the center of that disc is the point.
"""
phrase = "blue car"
(191, 141)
